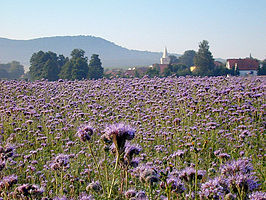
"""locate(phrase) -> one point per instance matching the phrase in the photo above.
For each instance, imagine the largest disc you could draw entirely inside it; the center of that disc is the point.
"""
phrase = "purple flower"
(60, 161)
(234, 167)
(119, 133)
(257, 196)
(141, 195)
(212, 189)
(176, 185)
(224, 155)
(147, 174)
(95, 186)
(8, 181)
(60, 198)
(130, 151)
(2, 164)
(85, 132)
(247, 182)
(179, 153)
(188, 174)
(130, 193)
(28, 190)
(84, 196)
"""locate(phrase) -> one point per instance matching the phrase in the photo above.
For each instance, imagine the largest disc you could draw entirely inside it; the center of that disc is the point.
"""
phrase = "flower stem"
(113, 180)
(196, 175)
(97, 166)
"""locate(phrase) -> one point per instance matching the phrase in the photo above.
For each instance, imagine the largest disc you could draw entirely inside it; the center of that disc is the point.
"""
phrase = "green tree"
(44, 65)
(167, 71)
(95, 67)
(66, 69)
(76, 67)
(80, 69)
(3, 74)
(204, 60)
(173, 59)
(153, 71)
(13, 70)
(62, 60)
(187, 58)
(78, 53)
(16, 70)
(177, 69)
(136, 73)
(234, 71)
(221, 70)
(262, 69)
(50, 70)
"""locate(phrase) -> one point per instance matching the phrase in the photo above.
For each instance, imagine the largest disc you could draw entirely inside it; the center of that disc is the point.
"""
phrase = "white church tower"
(165, 59)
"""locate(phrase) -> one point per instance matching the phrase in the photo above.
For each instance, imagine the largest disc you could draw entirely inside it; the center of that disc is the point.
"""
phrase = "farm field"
(160, 138)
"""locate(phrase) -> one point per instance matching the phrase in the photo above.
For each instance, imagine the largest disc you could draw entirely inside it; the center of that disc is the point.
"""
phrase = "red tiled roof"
(244, 64)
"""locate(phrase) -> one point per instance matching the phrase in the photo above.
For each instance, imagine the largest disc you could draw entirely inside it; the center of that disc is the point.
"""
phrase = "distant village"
(245, 67)
(50, 66)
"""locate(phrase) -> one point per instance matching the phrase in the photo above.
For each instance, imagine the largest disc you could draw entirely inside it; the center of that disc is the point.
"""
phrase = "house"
(246, 66)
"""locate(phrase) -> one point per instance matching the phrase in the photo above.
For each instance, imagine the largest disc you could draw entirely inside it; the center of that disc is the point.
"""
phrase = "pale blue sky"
(234, 28)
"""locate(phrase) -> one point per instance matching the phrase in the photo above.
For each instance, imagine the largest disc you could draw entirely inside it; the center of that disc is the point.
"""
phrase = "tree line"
(202, 61)
(50, 66)
(12, 70)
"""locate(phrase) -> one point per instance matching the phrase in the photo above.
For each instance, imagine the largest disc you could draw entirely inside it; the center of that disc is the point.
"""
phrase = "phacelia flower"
(85, 132)
(257, 196)
(119, 134)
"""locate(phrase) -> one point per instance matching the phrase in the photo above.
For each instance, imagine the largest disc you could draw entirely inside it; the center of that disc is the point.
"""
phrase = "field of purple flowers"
(160, 138)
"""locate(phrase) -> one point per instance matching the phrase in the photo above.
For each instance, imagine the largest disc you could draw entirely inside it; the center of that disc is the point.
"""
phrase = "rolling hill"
(111, 55)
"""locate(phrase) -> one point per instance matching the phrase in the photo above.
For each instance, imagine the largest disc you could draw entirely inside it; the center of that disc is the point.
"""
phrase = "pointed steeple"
(165, 55)
(165, 59)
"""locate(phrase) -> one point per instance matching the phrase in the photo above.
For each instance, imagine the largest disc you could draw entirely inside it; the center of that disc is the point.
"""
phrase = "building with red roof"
(246, 66)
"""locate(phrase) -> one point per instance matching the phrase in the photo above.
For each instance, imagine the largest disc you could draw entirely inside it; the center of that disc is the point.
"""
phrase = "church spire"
(165, 59)
(165, 55)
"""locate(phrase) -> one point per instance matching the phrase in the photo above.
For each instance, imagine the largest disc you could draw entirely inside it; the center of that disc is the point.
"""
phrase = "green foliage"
(187, 58)
(221, 71)
(79, 69)
(76, 68)
(44, 65)
(50, 70)
(95, 67)
(177, 69)
(65, 72)
(204, 60)
(78, 53)
(173, 59)
(262, 70)
(13, 70)
(3, 74)
(153, 71)
(234, 71)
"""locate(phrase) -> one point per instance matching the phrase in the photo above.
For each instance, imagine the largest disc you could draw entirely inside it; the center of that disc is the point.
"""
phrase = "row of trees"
(203, 60)
(12, 70)
(50, 66)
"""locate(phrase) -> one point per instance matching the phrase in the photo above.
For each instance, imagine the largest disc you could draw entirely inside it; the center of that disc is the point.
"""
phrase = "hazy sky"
(234, 28)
